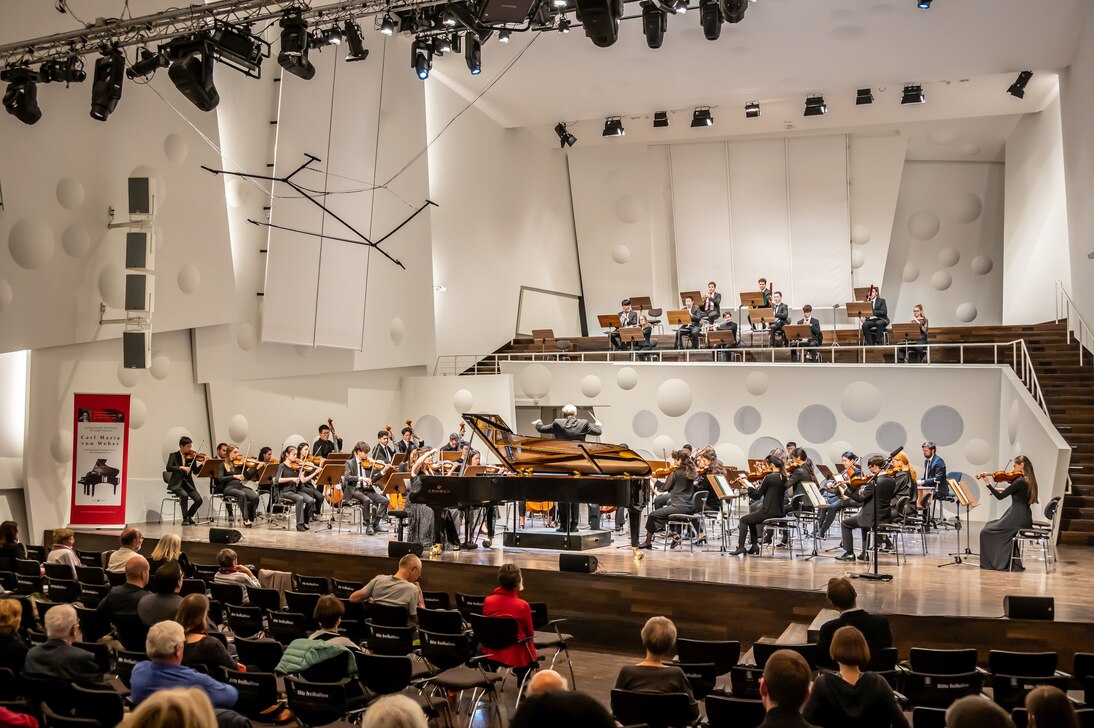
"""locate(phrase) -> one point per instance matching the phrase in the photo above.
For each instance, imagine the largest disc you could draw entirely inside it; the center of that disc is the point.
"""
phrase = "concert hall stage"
(708, 595)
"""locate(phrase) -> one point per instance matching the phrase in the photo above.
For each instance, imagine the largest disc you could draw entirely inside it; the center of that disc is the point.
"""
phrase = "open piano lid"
(527, 455)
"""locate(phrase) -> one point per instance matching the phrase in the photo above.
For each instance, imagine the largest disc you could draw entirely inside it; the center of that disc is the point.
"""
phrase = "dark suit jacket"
(771, 489)
(784, 718)
(874, 627)
(353, 475)
(782, 314)
(405, 447)
(60, 660)
(934, 473)
(717, 311)
(814, 329)
(323, 448)
(884, 490)
(881, 311)
(628, 318)
(174, 462)
(569, 428)
(696, 315)
(226, 475)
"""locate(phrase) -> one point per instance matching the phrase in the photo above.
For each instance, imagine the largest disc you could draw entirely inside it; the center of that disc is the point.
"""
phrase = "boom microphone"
(896, 452)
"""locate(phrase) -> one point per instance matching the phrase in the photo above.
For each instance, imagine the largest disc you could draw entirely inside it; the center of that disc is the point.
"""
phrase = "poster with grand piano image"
(100, 451)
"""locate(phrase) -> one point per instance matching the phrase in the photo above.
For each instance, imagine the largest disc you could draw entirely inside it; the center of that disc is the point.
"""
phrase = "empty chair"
(104, 705)
(115, 578)
(30, 567)
(302, 603)
(388, 640)
(311, 584)
(384, 674)
(244, 621)
(39, 689)
(257, 692)
(63, 591)
(744, 681)
(1014, 674)
(192, 586)
(268, 600)
(130, 631)
(1004, 662)
(390, 615)
(725, 711)
(942, 662)
(38, 553)
(458, 669)
(227, 594)
(469, 603)
(58, 571)
(656, 710)
(923, 717)
(90, 575)
(342, 589)
(922, 689)
(93, 626)
(316, 704)
(436, 599)
(287, 626)
(723, 653)
(763, 650)
(1084, 673)
(440, 620)
(92, 594)
(27, 585)
(499, 634)
(549, 636)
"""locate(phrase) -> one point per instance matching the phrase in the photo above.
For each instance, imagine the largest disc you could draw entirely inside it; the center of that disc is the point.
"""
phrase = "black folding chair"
(390, 615)
(93, 626)
(268, 600)
(92, 594)
(90, 558)
(192, 586)
(287, 626)
(924, 717)
(469, 603)
(206, 572)
(104, 705)
(723, 653)
(656, 710)
(131, 632)
(244, 621)
(548, 636)
(99, 651)
(744, 681)
(1015, 674)
(942, 662)
(763, 650)
(57, 571)
(939, 691)
(302, 603)
(91, 575)
(38, 553)
(501, 633)
(9, 688)
(259, 654)
(387, 640)
(440, 620)
(725, 711)
(227, 594)
(53, 719)
(311, 584)
(436, 599)
(56, 691)
(257, 692)
(342, 589)
(458, 669)
(63, 591)
(316, 704)
(702, 677)
(124, 662)
(1084, 673)
(115, 578)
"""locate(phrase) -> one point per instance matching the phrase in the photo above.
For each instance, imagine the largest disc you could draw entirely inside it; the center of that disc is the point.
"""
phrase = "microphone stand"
(874, 575)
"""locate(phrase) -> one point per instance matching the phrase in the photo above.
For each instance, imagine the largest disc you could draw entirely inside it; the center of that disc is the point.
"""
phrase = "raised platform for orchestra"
(553, 540)
(708, 594)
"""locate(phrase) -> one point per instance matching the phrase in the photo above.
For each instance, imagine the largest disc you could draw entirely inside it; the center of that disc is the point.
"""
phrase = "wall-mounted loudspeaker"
(137, 349)
(1016, 607)
(140, 253)
(139, 290)
(142, 197)
(578, 563)
(402, 548)
(224, 535)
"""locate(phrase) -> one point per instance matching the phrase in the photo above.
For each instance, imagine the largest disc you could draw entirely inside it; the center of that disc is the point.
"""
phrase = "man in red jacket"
(505, 601)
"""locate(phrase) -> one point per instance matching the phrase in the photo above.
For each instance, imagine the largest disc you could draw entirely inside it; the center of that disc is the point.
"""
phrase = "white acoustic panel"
(820, 268)
(757, 193)
(539, 310)
(876, 165)
(701, 215)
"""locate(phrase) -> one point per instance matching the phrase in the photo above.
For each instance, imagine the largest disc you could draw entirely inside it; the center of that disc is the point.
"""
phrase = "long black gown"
(997, 538)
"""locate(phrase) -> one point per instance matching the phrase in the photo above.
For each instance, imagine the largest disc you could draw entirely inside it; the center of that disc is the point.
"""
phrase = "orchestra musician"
(408, 442)
(706, 463)
(628, 318)
(309, 471)
(833, 491)
(328, 441)
(357, 486)
(782, 317)
(287, 486)
(569, 427)
(231, 477)
(474, 458)
(924, 327)
(771, 492)
(455, 444)
(726, 324)
(712, 303)
(679, 487)
(934, 472)
(180, 465)
(691, 330)
(904, 475)
(997, 537)
(816, 336)
(766, 291)
(881, 487)
(874, 326)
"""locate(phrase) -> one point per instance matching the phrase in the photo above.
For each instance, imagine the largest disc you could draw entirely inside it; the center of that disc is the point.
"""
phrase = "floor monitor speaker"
(577, 563)
(402, 548)
(1016, 607)
(224, 535)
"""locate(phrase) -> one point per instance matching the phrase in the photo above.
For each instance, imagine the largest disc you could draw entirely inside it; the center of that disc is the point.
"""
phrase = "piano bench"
(401, 516)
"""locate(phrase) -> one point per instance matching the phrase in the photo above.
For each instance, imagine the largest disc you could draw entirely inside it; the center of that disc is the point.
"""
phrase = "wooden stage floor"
(919, 587)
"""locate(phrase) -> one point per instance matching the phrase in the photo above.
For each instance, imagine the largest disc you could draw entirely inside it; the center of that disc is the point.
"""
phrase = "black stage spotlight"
(710, 17)
(192, 74)
(565, 138)
(600, 19)
(106, 89)
(70, 70)
(864, 96)
(913, 94)
(564, 24)
(450, 18)
(923, 4)
(660, 119)
(387, 26)
(613, 126)
(702, 117)
(752, 110)
(357, 50)
(735, 10)
(472, 54)
(680, 7)
(1018, 88)
(236, 47)
(148, 64)
(503, 36)
(293, 56)
(21, 95)
(815, 106)
(654, 24)
(421, 57)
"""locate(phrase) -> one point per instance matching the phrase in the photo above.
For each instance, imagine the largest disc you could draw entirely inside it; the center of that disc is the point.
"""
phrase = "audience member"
(784, 688)
(545, 681)
(561, 708)
(163, 600)
(173, 708)
(401, 589)
(131, 540)
(124, 600)
(874, 627)
(56, 657)
(505, 601)
(13, 650)
(851, 698)
(200, 648)
(974, 711)
(11, 719)
(10, 547)
(232, 572)
(394, 711)
(62, 551)
(169, 548)
(1049, 707)
(652, 675)
(164, 669)
(328, 615)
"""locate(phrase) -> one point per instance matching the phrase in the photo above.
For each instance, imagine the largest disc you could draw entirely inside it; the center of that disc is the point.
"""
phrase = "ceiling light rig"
(711, 18)
(654, 23)
(613, 126)
(660, 119)
(923, 4)
(752, 110)
(864, 97)
(293, 56)
(702, 117)
(1018, 88)
(815, 106)
(21, 96)
(565, 138)
(913, 94)
(356, 42)
(106, 88)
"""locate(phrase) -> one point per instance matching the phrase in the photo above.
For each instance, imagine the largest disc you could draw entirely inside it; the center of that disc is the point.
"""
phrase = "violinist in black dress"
(680, 487)
(771, 491)
(997, 537)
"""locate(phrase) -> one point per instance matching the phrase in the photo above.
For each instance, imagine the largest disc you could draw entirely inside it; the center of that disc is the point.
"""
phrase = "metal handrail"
(1075, 321)
(1019, 358)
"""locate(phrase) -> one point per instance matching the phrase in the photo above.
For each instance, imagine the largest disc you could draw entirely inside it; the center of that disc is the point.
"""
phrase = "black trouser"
(777, 330)
(828, 515)
(379, 504)
(849, 525)
(187, 492)
(567, 514)
(809, 353)
(305, 505)
(247, 499)
(658, 518)
(691, 332)
(749, 525)
(904, 353)
(873, 329)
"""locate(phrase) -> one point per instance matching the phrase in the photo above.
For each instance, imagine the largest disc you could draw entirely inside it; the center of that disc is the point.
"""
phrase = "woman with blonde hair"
(13, 650)
(905, 484)
(169, 548)
(173, 708)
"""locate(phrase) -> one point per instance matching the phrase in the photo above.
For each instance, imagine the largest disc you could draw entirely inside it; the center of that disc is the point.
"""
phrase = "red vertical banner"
(100, 456)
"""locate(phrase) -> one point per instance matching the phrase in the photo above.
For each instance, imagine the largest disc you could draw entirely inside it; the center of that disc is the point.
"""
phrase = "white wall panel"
(700, 199)
(877, 163)
(761, 226)
(1077, 112)
(540, 310)
(819, 224)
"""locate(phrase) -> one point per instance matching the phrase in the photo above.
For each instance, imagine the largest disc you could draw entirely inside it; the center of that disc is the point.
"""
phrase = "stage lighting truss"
(654, 24)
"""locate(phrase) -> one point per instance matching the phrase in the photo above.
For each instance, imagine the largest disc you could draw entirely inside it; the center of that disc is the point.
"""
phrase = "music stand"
(763, 315)
(904, 333)
(825, 471)
(451, 455)
(631, 335)
(679, 317)
(753, 299)
(859, 309)
(339, 457)
(817, 500)
(726, 338)
(543, 337)
(964, 498)
(398, 459)
(608, 321)
(797, 332)
(695, 297)
(861, 293)
(722, 487)
(641, 303)
(330, 477)
(269, 470)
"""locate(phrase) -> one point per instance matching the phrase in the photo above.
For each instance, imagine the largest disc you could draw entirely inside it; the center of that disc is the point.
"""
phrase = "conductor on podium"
(569, 427)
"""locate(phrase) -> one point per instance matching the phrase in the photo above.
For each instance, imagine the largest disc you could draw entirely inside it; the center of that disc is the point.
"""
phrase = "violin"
(197, 458)
(1002, 476)
(664, 472)
(242, 461)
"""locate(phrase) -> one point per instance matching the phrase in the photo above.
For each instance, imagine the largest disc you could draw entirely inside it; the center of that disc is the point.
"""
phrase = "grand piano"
(544, 469)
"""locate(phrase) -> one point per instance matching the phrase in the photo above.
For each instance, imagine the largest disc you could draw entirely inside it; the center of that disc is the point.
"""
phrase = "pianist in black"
(569, 427)
(679, 487)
